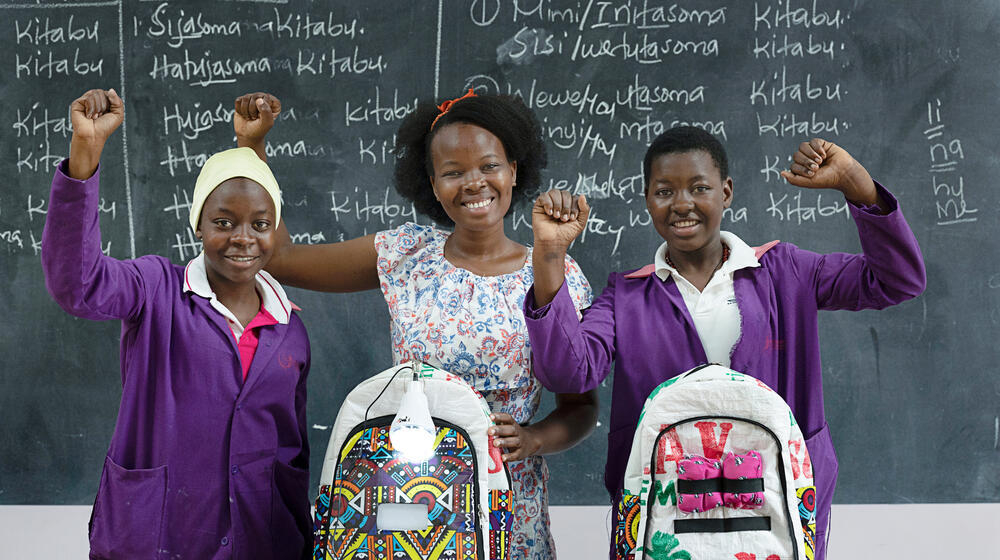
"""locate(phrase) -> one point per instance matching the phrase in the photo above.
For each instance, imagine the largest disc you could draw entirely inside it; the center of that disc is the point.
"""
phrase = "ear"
(513, 173)
(727, 192)
(434, 187)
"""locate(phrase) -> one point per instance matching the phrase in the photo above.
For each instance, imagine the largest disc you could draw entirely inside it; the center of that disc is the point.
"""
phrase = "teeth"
(685, 223)
(242, 259)
(480, 204)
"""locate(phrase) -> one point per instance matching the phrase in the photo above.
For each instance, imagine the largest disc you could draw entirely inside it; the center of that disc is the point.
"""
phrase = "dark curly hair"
(505, 116)
(682, 139)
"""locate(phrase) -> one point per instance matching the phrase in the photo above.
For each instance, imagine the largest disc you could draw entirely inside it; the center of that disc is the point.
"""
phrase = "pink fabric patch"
(739, 467)
(696, 467)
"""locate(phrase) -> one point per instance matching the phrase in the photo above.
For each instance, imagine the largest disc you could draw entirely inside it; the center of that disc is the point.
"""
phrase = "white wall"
(860, 532)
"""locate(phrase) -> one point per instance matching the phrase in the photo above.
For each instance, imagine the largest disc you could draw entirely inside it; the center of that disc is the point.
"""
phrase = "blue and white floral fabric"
(473, 327)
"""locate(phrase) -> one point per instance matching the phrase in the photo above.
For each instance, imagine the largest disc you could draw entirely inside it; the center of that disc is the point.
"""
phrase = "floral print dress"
(473, 326)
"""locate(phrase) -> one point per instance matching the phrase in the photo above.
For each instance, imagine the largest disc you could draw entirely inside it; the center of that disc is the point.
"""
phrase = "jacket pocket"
(291, 524)
(128, 512)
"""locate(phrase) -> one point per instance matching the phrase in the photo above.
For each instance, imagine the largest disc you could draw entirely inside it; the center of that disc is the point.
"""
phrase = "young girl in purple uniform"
(209, 455)
(709, 297)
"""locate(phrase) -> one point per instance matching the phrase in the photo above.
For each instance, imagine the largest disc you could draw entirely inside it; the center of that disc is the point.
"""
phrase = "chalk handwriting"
(40, 31)
(203, 70)
(35, 121)
(377, 110)
(190, 123)
(643, 50)
(307, 26)
(778, 89)
(185, 27)
(790, 208)
(782, 14)
(773, 48)
(48, 65)
(945, 157)
(791, 125)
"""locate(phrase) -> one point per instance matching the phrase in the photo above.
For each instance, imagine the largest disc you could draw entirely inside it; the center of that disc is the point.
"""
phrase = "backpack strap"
(649, 269)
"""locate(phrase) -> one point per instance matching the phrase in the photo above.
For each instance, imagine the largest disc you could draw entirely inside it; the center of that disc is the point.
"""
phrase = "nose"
(242, 235)
(683, 202)
(476, 182)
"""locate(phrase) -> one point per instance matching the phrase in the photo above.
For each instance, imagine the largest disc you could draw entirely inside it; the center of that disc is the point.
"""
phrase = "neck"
(479, 244)
(707, 259)
(236, 297)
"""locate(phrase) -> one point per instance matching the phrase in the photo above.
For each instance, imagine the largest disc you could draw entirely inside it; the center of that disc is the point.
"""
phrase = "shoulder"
(155, 270)
(407, 238)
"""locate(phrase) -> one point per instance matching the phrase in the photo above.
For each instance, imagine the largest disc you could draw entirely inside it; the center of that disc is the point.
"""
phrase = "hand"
(819, 164)
(95, 115)
(254, 117)
(557, 218)
(520, 441)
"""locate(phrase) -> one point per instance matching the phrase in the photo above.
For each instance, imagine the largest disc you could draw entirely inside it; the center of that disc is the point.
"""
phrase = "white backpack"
(718, 470)
(465, 485)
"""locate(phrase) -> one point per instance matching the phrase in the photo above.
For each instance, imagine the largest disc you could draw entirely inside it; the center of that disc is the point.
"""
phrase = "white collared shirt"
(714, 311)
(272, 295)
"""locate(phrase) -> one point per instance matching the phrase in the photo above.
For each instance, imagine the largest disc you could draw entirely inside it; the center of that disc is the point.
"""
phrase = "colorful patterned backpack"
(718, 470)
(465, 485)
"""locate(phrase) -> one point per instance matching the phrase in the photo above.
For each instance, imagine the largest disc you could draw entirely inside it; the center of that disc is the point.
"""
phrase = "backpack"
(465, 485)
(718, 470)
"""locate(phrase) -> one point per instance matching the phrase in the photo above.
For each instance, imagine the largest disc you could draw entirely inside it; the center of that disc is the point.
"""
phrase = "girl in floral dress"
(455, 298)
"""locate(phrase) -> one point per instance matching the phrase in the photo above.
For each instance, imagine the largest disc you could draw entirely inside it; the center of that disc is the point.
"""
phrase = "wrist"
(84, 157)
(533, 440)
(550, 248)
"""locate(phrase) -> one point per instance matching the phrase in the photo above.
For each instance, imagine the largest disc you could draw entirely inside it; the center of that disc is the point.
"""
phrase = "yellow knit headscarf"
(237, 162)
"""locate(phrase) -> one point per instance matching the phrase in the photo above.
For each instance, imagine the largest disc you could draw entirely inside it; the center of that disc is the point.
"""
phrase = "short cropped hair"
(504, 116)
(685, 139)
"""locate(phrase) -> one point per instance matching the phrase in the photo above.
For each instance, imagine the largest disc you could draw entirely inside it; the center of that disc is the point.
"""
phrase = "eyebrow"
(224, 210)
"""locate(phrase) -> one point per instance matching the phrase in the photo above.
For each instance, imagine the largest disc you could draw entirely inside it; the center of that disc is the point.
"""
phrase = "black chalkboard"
(909, 88)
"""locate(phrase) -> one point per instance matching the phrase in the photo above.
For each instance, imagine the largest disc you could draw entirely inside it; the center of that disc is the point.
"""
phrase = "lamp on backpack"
(412, 430)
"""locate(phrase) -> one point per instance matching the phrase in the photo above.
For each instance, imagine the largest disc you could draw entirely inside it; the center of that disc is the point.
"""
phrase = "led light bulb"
(412, 430)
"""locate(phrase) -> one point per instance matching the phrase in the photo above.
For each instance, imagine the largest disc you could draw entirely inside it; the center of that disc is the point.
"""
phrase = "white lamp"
(412, 430)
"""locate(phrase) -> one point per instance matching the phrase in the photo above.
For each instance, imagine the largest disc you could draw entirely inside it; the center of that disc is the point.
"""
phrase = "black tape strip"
(732, 485)
(732, 525)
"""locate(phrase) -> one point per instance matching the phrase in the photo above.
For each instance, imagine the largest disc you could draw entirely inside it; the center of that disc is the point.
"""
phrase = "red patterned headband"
(444, 107)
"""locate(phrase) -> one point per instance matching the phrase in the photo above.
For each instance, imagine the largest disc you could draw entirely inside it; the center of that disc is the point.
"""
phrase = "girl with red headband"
(455, 297)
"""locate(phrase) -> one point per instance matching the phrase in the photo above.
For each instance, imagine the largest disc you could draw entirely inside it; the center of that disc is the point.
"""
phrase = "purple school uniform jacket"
(201, 465)
(643, 325)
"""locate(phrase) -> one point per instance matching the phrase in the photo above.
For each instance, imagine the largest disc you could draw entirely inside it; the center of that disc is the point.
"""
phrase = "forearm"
(549, 264)
(570, 356)
(84, 157)
(891, 251)
(258, 145)
(76, 272)
(348, 266)
(567, 425)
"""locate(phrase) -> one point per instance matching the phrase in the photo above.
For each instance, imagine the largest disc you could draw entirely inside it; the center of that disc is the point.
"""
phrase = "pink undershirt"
(247, 343)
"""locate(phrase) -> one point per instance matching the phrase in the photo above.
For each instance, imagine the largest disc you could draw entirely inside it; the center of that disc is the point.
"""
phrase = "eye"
(702, 188)
(493, 166)
(262, 225)
(663, 191)
(223, 223)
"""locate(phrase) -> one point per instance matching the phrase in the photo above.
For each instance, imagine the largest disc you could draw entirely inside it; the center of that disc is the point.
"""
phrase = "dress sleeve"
(579, 288)
(81, 279)
(890, 269)
(395, 246)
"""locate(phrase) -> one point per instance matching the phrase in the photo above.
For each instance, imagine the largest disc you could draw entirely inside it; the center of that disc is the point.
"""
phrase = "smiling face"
(237, 232)
(686, 196)
(471, 177)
